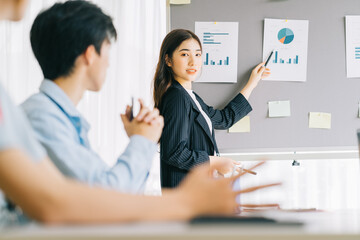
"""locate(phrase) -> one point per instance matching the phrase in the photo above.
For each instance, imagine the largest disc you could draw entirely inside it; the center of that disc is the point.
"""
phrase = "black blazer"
(186, 140)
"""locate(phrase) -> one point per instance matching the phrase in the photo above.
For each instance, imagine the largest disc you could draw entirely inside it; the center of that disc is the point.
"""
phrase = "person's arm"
(238, 107)
(45, 195)
(174, 138)
(257, 74)
(128, 174)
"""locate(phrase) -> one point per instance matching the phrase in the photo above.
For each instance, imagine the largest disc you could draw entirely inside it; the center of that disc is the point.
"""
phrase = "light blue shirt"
(15, 133)
(63, 132)
(15, 130)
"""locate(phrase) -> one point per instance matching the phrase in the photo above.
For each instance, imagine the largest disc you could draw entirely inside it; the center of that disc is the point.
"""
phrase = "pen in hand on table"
(248, 171)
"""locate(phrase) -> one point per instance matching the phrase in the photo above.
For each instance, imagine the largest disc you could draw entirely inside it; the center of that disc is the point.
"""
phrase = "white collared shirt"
(208, 120)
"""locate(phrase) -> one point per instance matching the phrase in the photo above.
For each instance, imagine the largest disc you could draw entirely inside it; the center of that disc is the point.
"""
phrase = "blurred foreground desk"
(317, 225)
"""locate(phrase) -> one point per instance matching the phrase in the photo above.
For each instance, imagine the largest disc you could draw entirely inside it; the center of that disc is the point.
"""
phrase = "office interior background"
(141, 26)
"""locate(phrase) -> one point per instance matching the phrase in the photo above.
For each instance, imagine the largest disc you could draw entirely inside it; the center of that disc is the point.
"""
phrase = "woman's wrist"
(246, 92)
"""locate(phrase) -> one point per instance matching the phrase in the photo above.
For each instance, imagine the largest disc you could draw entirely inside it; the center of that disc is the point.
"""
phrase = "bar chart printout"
(353, 46)
(219, 51)
(289, 41)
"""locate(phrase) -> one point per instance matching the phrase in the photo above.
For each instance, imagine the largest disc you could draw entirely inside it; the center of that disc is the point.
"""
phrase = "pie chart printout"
(288, 40)
(286, 36)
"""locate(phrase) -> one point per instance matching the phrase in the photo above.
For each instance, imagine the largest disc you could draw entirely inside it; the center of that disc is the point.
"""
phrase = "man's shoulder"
(37, 104)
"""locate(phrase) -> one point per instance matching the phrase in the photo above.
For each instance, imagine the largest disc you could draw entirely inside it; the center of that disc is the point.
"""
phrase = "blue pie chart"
(286, 36)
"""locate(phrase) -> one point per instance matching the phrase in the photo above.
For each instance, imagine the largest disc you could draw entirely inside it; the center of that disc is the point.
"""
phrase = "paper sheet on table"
(279, 109)
(243, 125)
(319, 120)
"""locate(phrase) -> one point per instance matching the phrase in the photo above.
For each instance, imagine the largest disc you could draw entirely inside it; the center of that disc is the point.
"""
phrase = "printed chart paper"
(353, 46)
(279, 109)
(219, 51)
(289, 41)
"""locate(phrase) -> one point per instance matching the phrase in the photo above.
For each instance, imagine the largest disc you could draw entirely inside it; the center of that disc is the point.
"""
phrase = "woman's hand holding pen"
(258, 73)
(224, 165)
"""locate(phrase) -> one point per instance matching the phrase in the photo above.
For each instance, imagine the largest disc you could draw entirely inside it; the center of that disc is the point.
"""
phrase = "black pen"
(132, 109)
(268, 59)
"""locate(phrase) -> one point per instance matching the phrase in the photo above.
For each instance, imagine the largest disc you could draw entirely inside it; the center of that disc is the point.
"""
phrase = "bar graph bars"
(357, 53)
(212, 62)
(286, 61)
(209, 37)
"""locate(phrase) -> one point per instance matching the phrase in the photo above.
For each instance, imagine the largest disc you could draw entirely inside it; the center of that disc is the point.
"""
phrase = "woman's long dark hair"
(164, 76)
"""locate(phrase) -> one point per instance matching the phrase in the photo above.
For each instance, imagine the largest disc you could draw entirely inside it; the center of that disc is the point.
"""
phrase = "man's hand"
(204, 194)
(148, 123)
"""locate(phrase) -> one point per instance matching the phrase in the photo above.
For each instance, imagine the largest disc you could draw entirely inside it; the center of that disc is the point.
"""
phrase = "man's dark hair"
(64, 31)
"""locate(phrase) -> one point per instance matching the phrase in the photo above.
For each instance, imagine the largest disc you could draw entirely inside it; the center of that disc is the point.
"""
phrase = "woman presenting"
(188, 137)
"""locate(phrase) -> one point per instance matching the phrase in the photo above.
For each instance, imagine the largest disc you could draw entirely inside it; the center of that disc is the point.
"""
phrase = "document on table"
(353, 46)
(319, 120)
(243, 125)
(289, 41)
(279, 109)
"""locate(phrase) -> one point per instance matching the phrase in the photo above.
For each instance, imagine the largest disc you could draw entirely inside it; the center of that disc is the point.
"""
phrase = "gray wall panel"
(327, 89)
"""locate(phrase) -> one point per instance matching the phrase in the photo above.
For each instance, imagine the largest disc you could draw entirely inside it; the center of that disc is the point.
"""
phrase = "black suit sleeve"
(173, 143)
(236, 109)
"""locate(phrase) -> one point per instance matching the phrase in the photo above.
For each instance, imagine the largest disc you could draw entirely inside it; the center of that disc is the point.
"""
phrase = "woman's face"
(186, 61)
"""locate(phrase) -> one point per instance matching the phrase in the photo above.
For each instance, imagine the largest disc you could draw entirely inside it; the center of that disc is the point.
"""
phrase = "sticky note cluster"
(243, 125)
(319, 120)
(277, 109)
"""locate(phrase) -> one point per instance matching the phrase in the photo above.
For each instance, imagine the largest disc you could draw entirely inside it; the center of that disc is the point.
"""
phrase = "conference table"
(344, 224)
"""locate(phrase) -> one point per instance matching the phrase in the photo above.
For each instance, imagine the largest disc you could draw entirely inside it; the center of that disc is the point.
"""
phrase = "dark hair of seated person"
(63, 32)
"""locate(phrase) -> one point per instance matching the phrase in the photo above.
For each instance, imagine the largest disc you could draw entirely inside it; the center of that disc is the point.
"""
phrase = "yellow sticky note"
(180, 1)
(243, 125)
(279, 109)
(319, 120)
